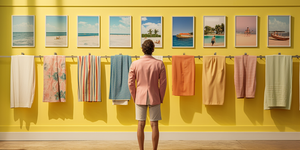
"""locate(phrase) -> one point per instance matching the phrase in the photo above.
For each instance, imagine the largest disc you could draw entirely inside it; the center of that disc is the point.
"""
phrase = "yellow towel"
(213, 80)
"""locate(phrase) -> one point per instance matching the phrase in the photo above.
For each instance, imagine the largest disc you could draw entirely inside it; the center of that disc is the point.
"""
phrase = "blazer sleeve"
(163, 82)
(131, 81)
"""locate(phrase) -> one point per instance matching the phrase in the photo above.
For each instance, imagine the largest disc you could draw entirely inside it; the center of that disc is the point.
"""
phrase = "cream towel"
(22, 81)
(279, 76)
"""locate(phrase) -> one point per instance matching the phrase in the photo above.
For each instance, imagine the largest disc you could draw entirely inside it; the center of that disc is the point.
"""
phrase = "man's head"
(148, 47)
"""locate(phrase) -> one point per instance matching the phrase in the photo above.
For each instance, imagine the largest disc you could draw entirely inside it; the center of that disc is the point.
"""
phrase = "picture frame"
(23, 31)
(88, 31)
(183, 37)
(210, 33)
(56, 31)
(119, 31)
(279, 31)
(246, 31)
(151, 24)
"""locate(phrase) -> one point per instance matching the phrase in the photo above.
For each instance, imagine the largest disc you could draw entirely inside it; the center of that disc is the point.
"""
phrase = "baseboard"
(163, 136)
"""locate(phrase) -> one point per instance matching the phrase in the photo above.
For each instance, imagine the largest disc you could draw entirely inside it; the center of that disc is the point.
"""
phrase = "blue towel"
(119, 69)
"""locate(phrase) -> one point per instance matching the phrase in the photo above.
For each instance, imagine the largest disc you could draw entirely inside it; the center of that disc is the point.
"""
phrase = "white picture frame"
(284, 43)
(119, 39)
(159, 41)
(58, 38)
(88, 25)
(249, 40)
(213, 21)
(175, 30)
(22, 31)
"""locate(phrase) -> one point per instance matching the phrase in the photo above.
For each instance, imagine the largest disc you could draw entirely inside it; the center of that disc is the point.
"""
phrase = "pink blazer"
(147, 71)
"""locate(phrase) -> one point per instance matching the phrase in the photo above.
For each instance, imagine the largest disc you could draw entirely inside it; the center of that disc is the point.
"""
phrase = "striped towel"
(89, 78)
(54, 79)
(119, 70)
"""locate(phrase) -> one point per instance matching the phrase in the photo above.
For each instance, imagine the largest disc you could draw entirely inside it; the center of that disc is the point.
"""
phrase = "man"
(213, 40)
(147, 71)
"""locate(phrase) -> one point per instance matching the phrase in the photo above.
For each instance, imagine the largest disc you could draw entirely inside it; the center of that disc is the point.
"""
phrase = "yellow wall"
(178, 113)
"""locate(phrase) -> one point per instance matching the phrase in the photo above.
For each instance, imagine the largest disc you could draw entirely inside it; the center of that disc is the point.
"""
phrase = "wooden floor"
(163, 145)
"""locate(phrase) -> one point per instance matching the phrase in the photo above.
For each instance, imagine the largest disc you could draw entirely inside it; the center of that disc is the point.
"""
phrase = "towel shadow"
(29, 115)
(225, 114)
(64, 110)
(189, 105)
(126, 113)
(165, 106)
(95, 111)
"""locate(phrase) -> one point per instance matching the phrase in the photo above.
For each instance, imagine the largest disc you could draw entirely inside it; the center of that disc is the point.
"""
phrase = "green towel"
(279, 76)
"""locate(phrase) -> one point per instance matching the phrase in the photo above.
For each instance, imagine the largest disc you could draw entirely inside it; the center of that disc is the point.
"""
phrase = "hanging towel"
(119, 69)
(183, 75)
(279, 77)
(89, 78)
(156, 57)
(245, 76)
(54, 79)
(213, 80)
(22, 81)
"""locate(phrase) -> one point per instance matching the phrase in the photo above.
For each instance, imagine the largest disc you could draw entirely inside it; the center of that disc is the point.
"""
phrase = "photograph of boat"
(279, 29)
(183, 32)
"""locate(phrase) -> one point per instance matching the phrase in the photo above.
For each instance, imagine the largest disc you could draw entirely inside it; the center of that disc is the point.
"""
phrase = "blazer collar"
(147, 56)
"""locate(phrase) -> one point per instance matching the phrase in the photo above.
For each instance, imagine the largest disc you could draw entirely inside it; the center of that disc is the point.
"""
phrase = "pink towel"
(245, 76)
(54, 79)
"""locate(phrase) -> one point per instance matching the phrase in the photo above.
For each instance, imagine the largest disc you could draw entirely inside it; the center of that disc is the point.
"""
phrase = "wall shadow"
(225, 114)
(96, 111)
(64, 110)
(29, 115)
(254, 108)
(189, 105)
(165, 106)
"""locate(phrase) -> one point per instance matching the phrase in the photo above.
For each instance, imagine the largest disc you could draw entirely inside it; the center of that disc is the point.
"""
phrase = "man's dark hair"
(148, 47)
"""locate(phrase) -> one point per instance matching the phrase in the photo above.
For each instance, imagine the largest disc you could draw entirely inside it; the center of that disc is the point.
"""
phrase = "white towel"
(22, 81)
(157, 57)
(120, 102)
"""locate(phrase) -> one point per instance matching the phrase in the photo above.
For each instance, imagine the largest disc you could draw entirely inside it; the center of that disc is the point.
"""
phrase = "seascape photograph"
(279, 29)
(183, 32)
(120, 31)
(56, 31)
(214, 31)
(23, 31)
(245, 31)
(88, 31)
(151, 28)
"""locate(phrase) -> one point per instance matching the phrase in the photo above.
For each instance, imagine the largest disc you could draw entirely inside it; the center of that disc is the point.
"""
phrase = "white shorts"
(141, 112)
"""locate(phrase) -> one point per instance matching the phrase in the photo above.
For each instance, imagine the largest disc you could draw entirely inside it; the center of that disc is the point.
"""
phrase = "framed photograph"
(88, 34)
(183, 32)
(214, 31)
(246, 31)
(151, 28)
(56, 31)
(23, 31)
(119, 31)
(279, 31)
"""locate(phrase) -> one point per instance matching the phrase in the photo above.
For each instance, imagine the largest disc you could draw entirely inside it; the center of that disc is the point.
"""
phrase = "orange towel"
(213, 80)
(245, 76)
(183, 75)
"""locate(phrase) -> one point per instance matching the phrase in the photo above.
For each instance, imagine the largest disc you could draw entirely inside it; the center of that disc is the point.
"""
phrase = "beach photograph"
(279, 29)
(245, 31)
(151, 28)
(183, 32)
(214, 31)
(56, 31)
(88, 31)
(120, 31)
(23, 31)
